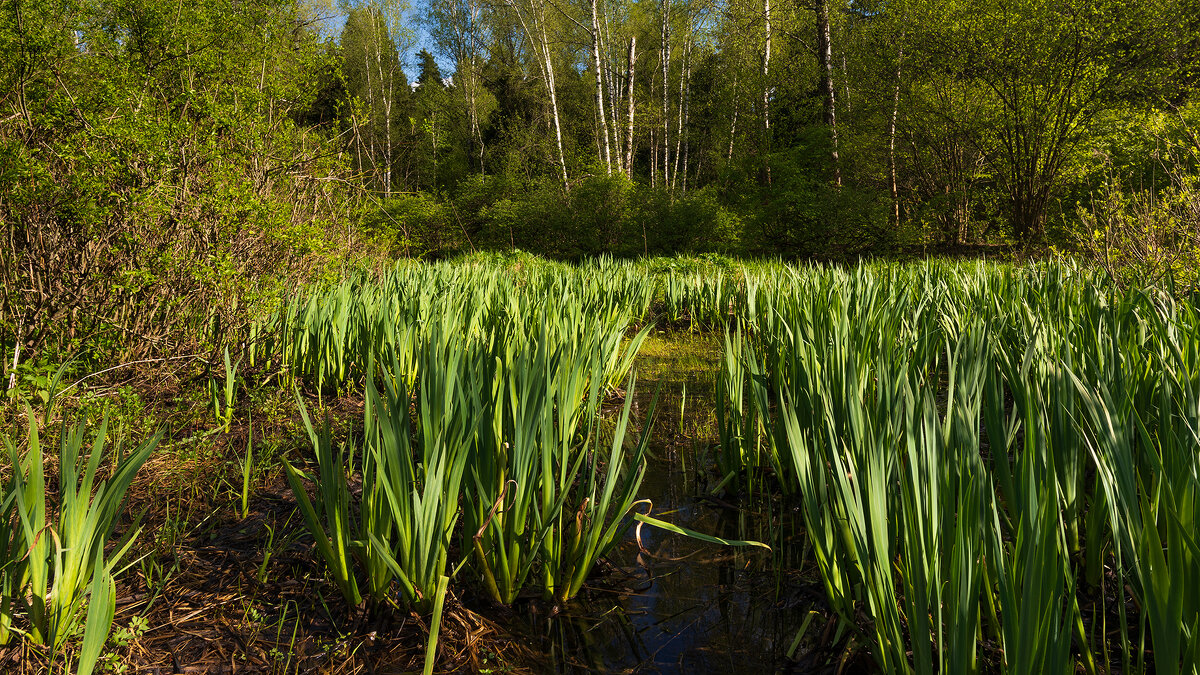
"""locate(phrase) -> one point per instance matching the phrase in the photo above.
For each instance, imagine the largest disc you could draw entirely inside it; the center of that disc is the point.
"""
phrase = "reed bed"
(56, 579)
(328, 336)
(997, 467)
(483, 405)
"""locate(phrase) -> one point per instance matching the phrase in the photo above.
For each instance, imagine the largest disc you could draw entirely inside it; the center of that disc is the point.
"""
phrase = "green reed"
(971, 445)
(52, 544)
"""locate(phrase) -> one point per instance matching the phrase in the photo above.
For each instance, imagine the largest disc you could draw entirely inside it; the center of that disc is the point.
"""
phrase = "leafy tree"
(378, 93)
(1049, 67)
(151, 165)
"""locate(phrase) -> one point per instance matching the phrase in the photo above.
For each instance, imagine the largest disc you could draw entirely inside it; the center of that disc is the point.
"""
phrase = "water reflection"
(681, 606)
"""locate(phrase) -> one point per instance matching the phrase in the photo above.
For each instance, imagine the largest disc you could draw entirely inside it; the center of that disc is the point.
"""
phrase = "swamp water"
(682, 605)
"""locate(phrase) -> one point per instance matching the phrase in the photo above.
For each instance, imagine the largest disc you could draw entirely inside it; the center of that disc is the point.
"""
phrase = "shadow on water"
(681, 605)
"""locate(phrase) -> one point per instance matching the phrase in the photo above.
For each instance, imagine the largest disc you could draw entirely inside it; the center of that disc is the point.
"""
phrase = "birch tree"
(373, 40)
(766, 86)
(531, 14)
(825, 67)
(632, 62)
(597, 63)
(459, 32)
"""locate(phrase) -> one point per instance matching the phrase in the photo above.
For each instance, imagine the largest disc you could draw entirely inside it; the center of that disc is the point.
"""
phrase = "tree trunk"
(370, 108)
(653, 157)
(562, 157)
(612, 86)
(540, 42)
(766, 97)
(892, 139)
(683, 124)
(825, 63)
(679, 116)
(387, 96)
(606, 154)
(845, 81)
(472, 95)
(540, 18)
(733, 121)
(632, 59)
(666, 110)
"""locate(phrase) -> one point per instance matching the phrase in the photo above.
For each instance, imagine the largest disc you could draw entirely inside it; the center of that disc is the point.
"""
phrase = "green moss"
(683, 365)
(673, 356)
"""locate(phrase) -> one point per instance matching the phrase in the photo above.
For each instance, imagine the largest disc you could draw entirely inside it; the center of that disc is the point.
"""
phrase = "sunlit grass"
(970, 445)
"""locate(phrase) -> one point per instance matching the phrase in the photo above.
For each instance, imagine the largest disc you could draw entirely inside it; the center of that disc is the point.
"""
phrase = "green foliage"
(801, 214)
(507, 376)
(52, 551)
(152, 171)
(416, 225)
(169, 173)
(222, 394)
(1147, 235)
(600, 214)
(695, 222)
(970, 445)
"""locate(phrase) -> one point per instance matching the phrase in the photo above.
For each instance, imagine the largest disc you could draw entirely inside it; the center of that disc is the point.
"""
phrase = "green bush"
(600, 214)
(416, 225)
(695, 222)
(801, 214)
(1145, 237)
(156, 227)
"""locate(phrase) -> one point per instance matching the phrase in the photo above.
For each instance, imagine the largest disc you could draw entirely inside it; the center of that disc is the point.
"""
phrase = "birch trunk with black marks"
(632, 59)
(734, 120)
(534, 26)
(377, 39)
(892, 138)
(685, 87)
(666, 106)
(604, 141)
(612, 87)
(766, 65)
(766, 96)
(825, 64)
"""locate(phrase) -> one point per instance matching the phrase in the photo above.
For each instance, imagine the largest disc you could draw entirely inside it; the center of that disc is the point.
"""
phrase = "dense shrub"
(152, 194)
(800, 213)
(1145, 237)
(600, 214)
(416, 225)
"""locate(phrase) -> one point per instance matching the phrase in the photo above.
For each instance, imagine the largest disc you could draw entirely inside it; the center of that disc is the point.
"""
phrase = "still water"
(675, 604)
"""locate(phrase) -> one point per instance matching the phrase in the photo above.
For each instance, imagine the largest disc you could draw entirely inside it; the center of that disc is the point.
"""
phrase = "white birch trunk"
(825, 61)
(892, 138)
(603, 138)
(377, 38)
(666, 109)
(539, 40)
(612, 85)
(684, 76)
(766, 67)
(370, 106)
(632, 59)
(682, 111)
(562, 157)
(734, 120)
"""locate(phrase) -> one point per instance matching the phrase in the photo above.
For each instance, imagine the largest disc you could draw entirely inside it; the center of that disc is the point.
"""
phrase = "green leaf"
(663, 525)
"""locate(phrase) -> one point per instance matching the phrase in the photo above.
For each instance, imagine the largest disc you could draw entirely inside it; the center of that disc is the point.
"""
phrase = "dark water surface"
(682, 606)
